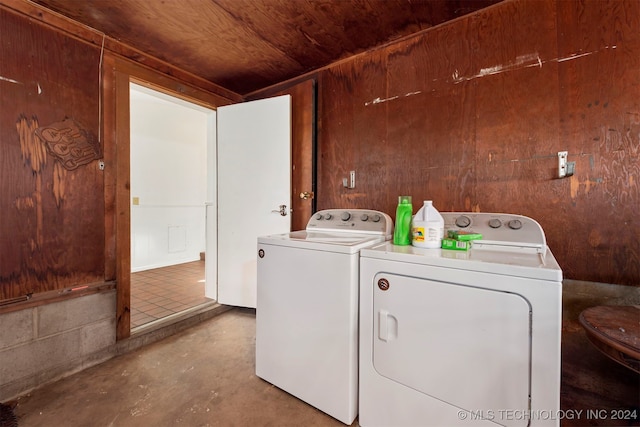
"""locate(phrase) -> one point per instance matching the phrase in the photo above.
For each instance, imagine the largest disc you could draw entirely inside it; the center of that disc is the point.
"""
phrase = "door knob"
(282, 211)
(306, 195)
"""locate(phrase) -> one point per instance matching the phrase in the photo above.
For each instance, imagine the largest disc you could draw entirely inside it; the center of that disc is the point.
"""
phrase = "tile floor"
(164, 291)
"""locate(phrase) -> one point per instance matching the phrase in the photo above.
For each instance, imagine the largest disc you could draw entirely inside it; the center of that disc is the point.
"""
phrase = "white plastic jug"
(427, 229)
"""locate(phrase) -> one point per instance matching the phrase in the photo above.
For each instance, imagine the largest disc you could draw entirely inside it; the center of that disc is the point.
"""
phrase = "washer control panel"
(497, 228)
(353, 220)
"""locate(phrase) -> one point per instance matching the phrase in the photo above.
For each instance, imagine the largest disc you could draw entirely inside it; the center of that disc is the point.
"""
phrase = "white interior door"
(254, 183)
(211, 212)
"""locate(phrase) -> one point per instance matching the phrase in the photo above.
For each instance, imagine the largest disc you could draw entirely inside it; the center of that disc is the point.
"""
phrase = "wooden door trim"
(123, 209)
(118, 73)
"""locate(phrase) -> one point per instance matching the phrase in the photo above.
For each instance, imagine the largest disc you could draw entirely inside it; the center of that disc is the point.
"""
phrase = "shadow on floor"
(205, 376)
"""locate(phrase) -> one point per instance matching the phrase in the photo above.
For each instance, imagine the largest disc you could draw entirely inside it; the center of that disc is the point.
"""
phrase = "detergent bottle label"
(435, 234)
(418, 234)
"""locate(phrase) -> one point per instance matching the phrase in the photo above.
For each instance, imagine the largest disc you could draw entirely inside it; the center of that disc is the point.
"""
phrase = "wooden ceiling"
(247, 45)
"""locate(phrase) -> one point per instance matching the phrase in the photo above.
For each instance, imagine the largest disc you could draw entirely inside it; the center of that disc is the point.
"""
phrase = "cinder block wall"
(42, 344)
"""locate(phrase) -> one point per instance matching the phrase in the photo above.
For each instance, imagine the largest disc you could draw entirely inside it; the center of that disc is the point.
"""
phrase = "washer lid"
(347, 242)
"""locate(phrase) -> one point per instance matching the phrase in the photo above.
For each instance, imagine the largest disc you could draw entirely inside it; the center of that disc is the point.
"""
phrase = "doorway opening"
(171, 142)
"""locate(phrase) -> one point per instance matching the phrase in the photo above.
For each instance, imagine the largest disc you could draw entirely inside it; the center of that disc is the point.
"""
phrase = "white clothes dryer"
(471, 338)
(307, 307)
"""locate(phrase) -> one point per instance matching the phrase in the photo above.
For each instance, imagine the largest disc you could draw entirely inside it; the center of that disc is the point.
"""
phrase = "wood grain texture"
(472, 114)
(615, 330)
(67, 228)
(109, 114)
(52, 220)
(600, 126)
(88, 33)
(350, 135)
(302, 152)
(516, 126)
(462, 114)
(431, 118)
(247, 45)
(122, 166)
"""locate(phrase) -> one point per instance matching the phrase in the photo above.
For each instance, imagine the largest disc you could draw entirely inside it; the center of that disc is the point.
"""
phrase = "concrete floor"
(204, 376)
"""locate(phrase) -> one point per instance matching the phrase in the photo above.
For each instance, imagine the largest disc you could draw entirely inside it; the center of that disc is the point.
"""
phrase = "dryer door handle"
(387, 326)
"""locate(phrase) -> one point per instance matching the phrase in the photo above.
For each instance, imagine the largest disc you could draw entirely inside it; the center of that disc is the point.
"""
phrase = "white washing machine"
(307, 307)
(452, 338)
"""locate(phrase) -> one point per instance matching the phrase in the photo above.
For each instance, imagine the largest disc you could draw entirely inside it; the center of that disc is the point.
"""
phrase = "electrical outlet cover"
(562, 163)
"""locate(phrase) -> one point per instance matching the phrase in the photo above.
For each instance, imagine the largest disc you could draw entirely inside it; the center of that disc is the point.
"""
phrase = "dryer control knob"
(328, 216)
(495, 223)
(319, 216)
(463, 221)
(345, 216)
(376, 218)
(364, 217)
(515, 224)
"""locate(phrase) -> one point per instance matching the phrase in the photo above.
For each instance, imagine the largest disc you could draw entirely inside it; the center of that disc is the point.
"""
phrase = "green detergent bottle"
(402, 231)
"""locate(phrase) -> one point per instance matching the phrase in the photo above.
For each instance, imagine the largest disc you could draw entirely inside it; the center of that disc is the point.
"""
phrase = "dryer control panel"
(363, 221)
(497, 229)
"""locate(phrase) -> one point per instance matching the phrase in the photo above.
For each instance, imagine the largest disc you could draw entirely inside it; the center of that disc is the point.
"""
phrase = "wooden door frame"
(303, 152)
(117, 75)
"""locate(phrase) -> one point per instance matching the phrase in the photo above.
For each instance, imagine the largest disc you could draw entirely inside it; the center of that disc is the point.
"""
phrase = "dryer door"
(467, 346)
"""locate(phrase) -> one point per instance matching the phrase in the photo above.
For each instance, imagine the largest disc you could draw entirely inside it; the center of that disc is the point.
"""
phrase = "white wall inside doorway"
(169, 139)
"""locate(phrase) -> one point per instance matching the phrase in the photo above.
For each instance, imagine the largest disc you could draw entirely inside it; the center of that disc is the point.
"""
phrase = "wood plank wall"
(599, 97)
(472, 114)
(57, 226)
(51, 218)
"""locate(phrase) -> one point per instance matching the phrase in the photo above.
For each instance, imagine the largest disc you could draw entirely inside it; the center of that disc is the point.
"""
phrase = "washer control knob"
(319, 216)
(515, 224)
(463, 221)
(328, 216)
(376, 218)
(345, 216)
(364, 217)
(495, 223)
